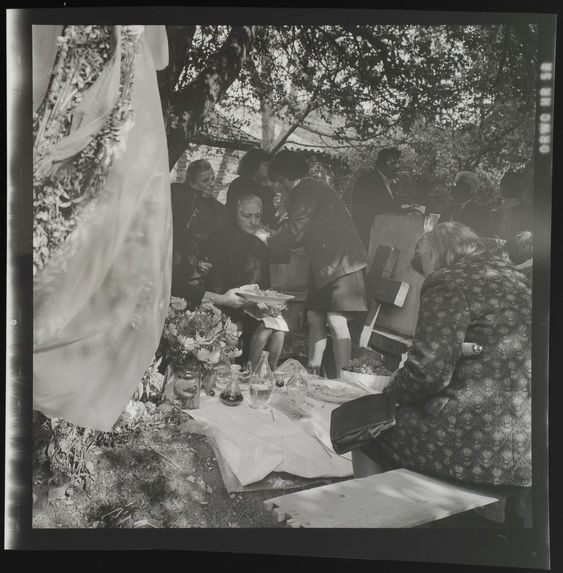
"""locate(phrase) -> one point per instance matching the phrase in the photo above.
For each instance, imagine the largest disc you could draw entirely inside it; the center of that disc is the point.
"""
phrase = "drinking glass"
(259, 392)
(187, 386)
(222, 376)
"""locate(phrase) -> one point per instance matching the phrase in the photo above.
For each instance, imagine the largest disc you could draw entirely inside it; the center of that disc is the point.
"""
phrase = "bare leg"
(258, 341)
(275, 347)
(364, 466)
(341, 341)
(317, 337)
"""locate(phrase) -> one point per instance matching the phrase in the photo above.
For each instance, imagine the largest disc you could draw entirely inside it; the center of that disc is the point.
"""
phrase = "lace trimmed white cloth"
(101, 301)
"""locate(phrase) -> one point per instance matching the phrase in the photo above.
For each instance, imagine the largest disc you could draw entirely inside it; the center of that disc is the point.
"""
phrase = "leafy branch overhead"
(355, 83)
(189, 104)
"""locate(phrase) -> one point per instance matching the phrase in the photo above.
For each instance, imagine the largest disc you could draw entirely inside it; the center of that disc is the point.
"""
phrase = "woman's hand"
(204, 267)
(263, 234)
(230, 299)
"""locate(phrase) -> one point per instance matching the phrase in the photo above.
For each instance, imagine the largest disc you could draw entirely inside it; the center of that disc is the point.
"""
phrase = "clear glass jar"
(222, 374)
(187, 386)
(261, 383)
(297, 388)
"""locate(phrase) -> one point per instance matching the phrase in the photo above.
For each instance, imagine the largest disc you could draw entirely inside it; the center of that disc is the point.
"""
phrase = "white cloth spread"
(255, 444)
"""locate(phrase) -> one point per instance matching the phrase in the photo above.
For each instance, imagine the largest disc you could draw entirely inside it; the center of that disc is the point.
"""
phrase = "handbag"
(357, 422)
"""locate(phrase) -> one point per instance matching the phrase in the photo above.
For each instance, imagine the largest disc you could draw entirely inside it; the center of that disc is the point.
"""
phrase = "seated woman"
(196, 216)
(239, 258)
(462, 417)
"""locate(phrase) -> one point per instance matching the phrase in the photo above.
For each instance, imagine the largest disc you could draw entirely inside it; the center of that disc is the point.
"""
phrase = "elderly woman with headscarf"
(463, 417)
(238, 258)
(465, 208)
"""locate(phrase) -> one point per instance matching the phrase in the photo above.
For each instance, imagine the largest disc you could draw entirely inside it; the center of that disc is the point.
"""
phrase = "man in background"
(373, 193)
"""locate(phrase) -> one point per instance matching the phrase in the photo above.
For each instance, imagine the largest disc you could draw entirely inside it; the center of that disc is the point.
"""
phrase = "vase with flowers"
(198, 339)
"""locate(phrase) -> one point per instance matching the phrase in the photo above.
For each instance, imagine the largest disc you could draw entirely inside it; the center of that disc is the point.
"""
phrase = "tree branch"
(179, 42)
(188, 107)
(306, 111)
(380, 46)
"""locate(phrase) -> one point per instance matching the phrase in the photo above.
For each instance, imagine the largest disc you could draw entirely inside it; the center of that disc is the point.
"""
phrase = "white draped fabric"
(101, 301)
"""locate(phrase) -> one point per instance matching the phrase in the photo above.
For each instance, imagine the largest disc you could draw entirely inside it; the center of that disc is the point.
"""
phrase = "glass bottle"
(222, 374)
(297, 388)
(231, 395)
(261, 383)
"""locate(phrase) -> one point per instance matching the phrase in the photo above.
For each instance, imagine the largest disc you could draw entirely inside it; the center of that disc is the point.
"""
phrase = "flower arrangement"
(203, 336)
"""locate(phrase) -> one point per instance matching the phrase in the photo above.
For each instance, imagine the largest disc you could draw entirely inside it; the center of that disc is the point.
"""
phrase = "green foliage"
(450, 97)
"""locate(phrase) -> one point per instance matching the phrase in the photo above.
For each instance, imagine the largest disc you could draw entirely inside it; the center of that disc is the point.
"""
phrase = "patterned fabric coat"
(467, 418)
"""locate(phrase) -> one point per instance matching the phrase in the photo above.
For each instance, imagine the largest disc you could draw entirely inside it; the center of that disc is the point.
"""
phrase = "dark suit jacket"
(244, 186)
(195, 219)
(319, 221)
(370, 197)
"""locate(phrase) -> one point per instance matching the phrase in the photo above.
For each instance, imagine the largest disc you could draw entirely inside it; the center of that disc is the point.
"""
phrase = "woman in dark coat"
(239, 258)
(253, 180)
(196, 216)
(467, 418)
(319, 221)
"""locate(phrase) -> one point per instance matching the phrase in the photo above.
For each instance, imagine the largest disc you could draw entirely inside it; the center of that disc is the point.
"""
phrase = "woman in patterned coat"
(466, 418)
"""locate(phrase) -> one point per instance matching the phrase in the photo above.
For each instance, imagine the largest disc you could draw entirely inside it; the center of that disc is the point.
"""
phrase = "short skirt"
(344, 294)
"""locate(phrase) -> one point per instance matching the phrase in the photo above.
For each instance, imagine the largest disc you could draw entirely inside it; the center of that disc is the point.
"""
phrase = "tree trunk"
(179, 42)
(188, 107)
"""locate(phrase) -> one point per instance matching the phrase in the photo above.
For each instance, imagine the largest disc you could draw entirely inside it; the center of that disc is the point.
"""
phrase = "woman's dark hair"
(251, 160)
(288, 164)
(197, 167)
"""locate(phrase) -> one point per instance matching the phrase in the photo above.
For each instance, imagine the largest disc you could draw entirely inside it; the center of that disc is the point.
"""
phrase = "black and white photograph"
(277, 270)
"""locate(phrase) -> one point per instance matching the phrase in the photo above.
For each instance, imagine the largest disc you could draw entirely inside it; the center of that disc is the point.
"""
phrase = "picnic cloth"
(254, 443)
(273, 481)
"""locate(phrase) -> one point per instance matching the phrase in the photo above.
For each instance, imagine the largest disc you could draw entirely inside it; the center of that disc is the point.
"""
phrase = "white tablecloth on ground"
(255, 444)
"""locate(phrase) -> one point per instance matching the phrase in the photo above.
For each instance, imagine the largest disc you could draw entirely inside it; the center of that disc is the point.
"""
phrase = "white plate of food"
(333, 390)
(268, 296)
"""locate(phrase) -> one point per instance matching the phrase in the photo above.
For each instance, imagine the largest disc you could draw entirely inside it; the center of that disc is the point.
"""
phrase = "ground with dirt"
(157, 475)
(151, 471)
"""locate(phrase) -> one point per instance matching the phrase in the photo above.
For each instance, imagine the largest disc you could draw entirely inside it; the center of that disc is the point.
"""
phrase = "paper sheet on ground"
(254, 444)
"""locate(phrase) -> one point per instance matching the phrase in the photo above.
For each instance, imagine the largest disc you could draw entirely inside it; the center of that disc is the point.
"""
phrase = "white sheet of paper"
(254, 444)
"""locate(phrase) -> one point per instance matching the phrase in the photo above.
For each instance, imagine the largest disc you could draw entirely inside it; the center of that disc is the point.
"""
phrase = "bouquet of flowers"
(201, 337)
